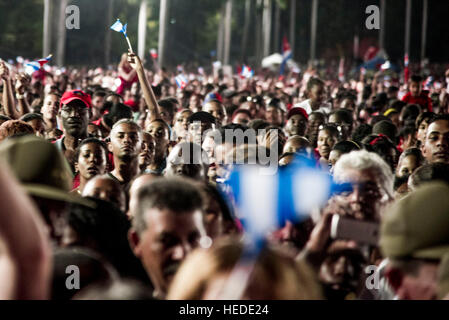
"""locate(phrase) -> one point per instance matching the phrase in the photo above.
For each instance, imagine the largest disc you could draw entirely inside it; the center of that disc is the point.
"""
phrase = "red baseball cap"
(72, 95)
(297, 110)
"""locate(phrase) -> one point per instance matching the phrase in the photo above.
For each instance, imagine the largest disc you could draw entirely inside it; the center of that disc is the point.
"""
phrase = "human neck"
(71, 142)
(50, 123)
(125, 171)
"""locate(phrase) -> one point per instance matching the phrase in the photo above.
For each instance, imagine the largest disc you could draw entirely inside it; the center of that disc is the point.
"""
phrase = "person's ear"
(75, 165)
(134, 241)
(110, 146)
(395, 277)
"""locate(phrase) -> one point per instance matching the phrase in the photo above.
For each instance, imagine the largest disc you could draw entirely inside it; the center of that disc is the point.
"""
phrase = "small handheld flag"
(119, 27)
(33, 66)
(286, 55)
(428, 83)
(247, 72)
(181, 81)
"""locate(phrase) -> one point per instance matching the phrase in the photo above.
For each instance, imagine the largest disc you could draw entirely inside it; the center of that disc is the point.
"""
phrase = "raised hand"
(4, 71)
(134, 61)
(22, 82)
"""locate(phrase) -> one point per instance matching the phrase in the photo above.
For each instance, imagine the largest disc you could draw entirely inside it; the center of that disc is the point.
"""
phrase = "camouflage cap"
(417, 226)
(40, 167)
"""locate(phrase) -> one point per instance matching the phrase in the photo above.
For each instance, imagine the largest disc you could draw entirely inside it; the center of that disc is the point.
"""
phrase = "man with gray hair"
(125, 145)
(372, 182)
(168, 224)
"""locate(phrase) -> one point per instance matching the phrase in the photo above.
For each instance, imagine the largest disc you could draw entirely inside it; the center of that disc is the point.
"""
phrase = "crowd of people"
(121, 176)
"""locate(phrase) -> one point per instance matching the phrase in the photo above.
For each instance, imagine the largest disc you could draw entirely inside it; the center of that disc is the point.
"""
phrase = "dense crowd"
(123, 176)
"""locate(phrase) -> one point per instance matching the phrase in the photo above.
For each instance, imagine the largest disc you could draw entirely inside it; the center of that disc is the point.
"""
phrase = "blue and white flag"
(266, 201)
(33, 66)
(247, 72)
(119, 27)
(181, 81)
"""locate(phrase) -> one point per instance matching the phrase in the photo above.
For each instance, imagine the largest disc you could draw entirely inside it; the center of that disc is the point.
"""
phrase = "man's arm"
(26, 257)
(8, 98)
(21, 89)
(148, 94)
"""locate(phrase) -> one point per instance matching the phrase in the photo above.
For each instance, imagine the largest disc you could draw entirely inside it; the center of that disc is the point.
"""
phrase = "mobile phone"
(365, 232)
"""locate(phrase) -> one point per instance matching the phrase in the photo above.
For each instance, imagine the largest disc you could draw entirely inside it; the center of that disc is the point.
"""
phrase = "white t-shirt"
(324, 108)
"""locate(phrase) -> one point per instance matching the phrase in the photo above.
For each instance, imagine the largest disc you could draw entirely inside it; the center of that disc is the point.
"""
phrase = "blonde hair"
(275, 276)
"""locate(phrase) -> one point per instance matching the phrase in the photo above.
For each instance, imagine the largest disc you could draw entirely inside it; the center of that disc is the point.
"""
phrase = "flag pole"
(129, 44)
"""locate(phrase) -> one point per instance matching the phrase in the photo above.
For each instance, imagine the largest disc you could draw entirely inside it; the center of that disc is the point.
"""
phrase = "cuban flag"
(286, 55)
(181, 81)
(428, 83)
(33, 66)
(119, 27)
(246, 72)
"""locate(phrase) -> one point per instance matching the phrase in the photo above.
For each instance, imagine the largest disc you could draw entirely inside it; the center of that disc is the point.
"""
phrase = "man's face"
(407, 166)
(91, 161)
(325, 143)
(314, 123)
(419, 286)
(346, 127)
(146, 155)
(182, 122)
(168, 239)
(186, 161)
(50, 107)
(436, 146)
(363, 201)
(105, 189)
(341, 270)
(415, 88)
(195, 102)
(165, 115)
(241, 118)
(293, 235)
(273, 116)
(333, 158)
(38, 126)
(217, 110)
(75, 117)
(422, 129)
(126, 141)
(296, 125)
(294, 145)
(93, 131)
(316, 94)
(97, 102)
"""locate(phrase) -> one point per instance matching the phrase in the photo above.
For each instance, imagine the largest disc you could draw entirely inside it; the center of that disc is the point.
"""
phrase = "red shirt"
(423, 100)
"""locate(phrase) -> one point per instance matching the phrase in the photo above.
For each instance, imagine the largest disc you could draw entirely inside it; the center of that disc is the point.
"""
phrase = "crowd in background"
(120, 173)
